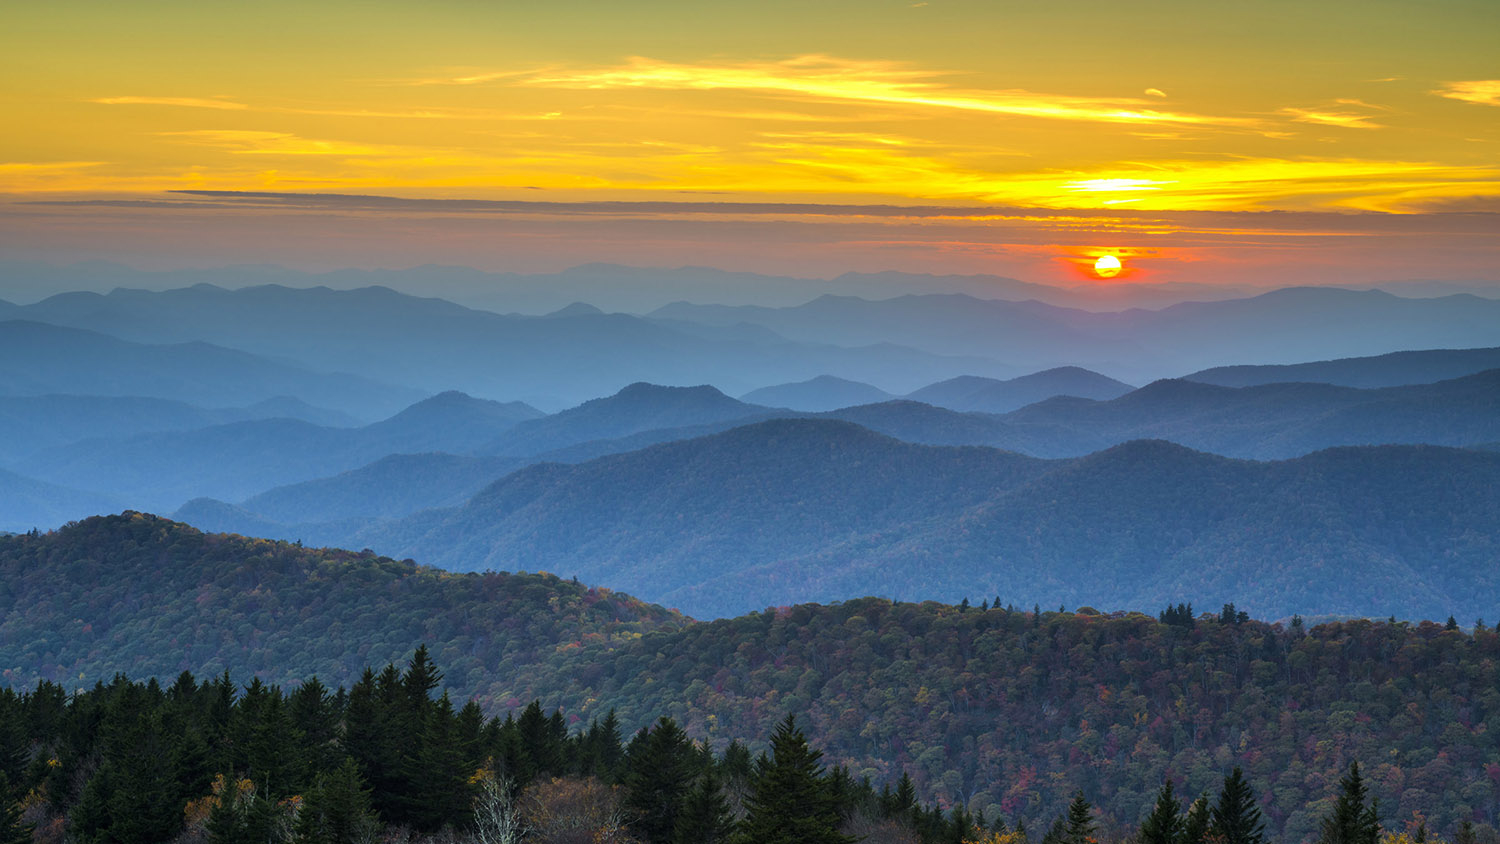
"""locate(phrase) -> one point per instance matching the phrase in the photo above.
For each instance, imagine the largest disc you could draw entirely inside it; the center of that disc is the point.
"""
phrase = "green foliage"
(1166, 823)
(1352, 821)
(337, 809)
(1236, 817)
(659, 770)
(790, 801)
(705, 817)
(1004, 712)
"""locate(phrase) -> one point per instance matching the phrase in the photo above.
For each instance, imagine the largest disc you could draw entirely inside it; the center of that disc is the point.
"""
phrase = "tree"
(705, 817)
(1165, 823)
(497, 818)
(12, 829)
(337, 809)
(1236, 818)
(1081, 824)
(789, 800)
(1195, 825)
(1351, 821)
(658, 772)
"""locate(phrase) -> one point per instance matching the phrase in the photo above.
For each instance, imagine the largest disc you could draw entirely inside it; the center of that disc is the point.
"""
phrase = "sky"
(1268, 143)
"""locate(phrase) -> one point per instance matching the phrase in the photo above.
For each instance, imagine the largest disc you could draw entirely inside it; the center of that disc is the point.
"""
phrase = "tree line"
(391, 758)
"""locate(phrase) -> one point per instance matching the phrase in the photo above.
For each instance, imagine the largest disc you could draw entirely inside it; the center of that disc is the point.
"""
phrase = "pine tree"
(1081, 824)
(789, 800)
(12, 829)
(1195, 825)
(1351, 821)
(337, 809)
(705, 817)
(658, 773)
(1165, 823)
(1236, 818)
(441, 782)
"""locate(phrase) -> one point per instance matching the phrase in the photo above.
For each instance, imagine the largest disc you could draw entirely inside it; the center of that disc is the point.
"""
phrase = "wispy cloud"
(252, 142)
(1479, 91)
(325, 111)
(1344, 113)
(182, 102)
(1155, 92)
(831, 79)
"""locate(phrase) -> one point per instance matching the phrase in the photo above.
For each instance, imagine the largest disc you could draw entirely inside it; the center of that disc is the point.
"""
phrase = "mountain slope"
(232, 462)
(30, 503)
(706, 506)
(555, 360)
(162, 597)
(39, 359)
(1271, 421)
(987, 395)
(634, 409)
(32, 423)
(1283, 326)
(1393, 370)
(825, 392)
(1002, 710)
(795, 510)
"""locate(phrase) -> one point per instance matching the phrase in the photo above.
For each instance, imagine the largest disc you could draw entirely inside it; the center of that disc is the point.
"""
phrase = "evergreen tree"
(705, 817)
(789, 800)
(1351, 821)
(658, 774)
(1165, 824)
(1197, 822)
(439, 784)
(1081, 824)
(12, 829)
(337, 809)
(1236, 818)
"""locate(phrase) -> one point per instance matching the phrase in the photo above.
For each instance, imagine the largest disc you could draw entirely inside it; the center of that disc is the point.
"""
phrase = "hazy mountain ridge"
(1290, 325)
(825, 392)
(1391, 370)
(234, 461)
(822, 510)
(437, 345)
(42, 359)
(32, 423)
(989, 395)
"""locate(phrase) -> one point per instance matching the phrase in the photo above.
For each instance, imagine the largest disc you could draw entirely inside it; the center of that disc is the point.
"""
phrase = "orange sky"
(1254, 143)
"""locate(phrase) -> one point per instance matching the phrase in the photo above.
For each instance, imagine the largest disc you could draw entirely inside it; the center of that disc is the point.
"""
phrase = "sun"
(1108, 266)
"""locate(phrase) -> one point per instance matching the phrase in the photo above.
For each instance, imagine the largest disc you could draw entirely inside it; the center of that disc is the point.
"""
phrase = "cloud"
(1479, 91)
(1155, 92)
(835, 80)
(250, 142)
(184, 102)
(1332, 116)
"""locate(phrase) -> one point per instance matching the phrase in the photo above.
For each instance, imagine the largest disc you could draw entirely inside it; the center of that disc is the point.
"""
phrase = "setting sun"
(1108, 266)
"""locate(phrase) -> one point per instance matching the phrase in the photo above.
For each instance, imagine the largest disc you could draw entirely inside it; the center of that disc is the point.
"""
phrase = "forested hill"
(148, 596)
(1005, 710)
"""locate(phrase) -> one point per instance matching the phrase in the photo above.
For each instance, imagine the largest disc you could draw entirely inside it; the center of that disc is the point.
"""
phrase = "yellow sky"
(1159, 106)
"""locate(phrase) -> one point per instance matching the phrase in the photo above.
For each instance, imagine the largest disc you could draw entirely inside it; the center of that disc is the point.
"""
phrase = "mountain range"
(798, 510)
(1291, 325)
(39, 359)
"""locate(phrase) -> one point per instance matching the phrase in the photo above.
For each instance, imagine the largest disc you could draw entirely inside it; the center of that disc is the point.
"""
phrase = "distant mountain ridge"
(1289, 325)
(825, 392)
(237, 460)
(988, 395)
(1392, 370)
(820, 510)
(42, 359)
(435, 345)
